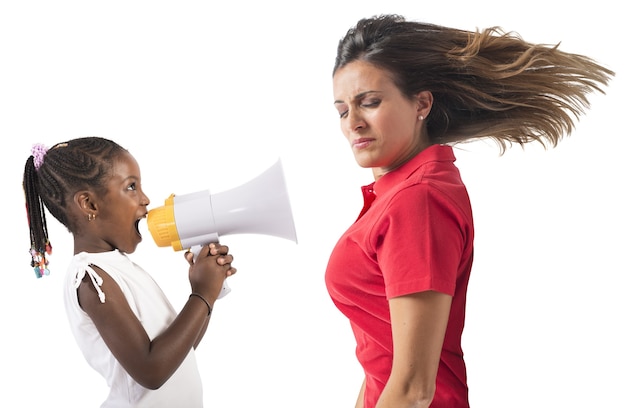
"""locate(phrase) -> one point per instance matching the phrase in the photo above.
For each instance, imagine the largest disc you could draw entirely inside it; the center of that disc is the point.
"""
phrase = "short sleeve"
(420, 242)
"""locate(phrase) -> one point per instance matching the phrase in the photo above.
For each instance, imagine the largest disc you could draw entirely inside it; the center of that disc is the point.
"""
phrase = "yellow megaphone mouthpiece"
(162, 225)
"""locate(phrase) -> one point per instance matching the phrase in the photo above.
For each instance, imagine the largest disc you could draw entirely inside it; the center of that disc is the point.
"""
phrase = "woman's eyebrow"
(359, 95)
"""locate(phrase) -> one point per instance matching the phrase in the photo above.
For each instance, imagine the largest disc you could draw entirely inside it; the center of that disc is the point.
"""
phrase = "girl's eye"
(132, 186)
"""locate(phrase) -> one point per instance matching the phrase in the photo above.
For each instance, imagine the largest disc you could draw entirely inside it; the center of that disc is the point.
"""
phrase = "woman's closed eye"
(342, 109)
(366, 103)
(370, 103)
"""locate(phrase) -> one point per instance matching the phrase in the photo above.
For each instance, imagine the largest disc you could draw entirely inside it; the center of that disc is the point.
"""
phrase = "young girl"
(404, 92)
(121, 319)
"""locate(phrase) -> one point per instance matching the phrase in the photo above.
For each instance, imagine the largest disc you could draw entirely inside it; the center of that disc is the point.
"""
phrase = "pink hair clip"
(39, 152)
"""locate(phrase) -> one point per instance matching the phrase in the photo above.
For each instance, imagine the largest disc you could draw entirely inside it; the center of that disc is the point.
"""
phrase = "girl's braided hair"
(52, 176)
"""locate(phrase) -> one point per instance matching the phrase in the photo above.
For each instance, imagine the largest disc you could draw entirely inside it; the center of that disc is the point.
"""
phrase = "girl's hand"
(209, 270)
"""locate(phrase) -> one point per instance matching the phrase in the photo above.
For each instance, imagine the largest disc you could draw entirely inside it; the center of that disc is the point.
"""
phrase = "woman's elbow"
(409, 395)
(423, 402)
(422, 398)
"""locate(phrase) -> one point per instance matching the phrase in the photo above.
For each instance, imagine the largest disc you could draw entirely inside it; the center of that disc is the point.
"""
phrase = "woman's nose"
(356, 122)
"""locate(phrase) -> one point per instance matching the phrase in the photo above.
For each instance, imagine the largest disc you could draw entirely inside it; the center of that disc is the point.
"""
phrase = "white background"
(208, 95)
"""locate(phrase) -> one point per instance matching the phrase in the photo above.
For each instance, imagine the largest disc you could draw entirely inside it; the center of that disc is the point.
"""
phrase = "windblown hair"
(489, 84)
(83, 163)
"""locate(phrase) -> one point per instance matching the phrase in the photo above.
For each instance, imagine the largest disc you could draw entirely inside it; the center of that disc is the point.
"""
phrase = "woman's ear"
(423, 103)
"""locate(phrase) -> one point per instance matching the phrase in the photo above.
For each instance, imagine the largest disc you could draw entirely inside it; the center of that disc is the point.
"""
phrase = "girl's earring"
(91, 217)
(420, 117)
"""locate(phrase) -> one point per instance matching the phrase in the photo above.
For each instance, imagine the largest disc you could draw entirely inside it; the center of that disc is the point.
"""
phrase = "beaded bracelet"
(204, 300)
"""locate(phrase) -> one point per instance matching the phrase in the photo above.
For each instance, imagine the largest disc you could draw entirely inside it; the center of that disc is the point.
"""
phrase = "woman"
(405, 92)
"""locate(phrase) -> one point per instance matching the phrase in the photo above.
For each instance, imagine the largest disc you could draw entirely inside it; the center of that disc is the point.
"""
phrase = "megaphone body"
(260, 206)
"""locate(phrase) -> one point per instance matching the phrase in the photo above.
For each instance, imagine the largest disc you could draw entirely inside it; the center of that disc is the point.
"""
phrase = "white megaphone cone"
(260, 206)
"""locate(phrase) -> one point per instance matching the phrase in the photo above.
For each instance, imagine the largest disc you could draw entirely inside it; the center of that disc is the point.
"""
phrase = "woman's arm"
(359, 400)
(418, 324)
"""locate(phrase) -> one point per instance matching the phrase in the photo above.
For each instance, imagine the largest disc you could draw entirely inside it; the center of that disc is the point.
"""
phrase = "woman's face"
(382, 125)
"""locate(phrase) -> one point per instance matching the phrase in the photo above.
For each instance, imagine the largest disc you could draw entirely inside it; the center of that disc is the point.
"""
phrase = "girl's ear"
(424, 102)
(85, 203)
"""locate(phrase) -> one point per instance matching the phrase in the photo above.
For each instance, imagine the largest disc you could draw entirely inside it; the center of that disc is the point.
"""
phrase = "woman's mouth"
(361, 143)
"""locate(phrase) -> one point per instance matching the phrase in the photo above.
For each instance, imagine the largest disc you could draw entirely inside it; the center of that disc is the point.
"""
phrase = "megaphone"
(260, 206)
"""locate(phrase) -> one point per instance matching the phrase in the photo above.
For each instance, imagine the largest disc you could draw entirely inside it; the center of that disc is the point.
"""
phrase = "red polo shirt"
(415, 233)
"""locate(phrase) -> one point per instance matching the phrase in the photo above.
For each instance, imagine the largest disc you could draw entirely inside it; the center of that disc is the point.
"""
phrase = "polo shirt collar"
(432, 153)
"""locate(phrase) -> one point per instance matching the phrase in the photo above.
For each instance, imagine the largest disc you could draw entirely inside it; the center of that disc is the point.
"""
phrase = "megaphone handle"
(195, 250)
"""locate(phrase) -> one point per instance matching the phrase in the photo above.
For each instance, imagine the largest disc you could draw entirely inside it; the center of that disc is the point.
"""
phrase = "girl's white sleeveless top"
(152, 308)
